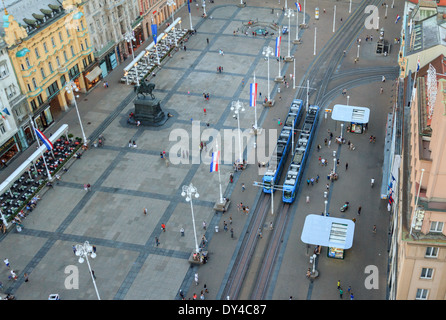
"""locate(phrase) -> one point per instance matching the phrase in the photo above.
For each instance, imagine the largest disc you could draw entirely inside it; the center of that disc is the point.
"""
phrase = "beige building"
(421, 271)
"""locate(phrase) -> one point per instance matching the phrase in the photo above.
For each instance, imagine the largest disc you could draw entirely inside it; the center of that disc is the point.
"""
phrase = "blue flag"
(154, 32)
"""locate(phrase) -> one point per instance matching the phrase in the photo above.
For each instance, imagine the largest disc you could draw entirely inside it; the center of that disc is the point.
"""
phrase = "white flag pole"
(38, 143)
(219, 176)
(255, 104)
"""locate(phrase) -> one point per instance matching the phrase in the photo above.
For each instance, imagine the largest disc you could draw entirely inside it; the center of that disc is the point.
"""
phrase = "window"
(34, 83)
(82, 47)
(436, 226)
(42, 72)
(431, 252)
(60, 37)
(91, 28)
(422, 294)
(72, 51)
(50, 66)
(65, 56)
(63, 80)
(2, 128)
(44, 47)
(37, 53)
(53, 42)
(3, 71)
(58, 62)
(27, 62)
(82, 25)
(68, 32)
(86, 43)
(39, 99)
(73, 72)
(426, 273)
(52, 89)
(10, 91)
(29, 87)
(33, 105)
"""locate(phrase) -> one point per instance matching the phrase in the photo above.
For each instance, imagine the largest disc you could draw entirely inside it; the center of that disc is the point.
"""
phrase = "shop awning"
(96, 72)
(350, 113)
(328, 232)
(6, 185)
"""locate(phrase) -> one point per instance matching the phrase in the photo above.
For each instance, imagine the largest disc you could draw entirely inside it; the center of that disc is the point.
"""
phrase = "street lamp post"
(171, 4)
(268, 52)
(70, 88)
(289, 13)
(129, 37)
(188, 192)
(238, 107)
(82, 251)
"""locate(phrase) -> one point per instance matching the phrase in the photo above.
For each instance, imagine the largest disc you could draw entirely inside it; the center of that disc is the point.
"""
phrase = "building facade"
(417, 188)
(48, 53)
(15, 133)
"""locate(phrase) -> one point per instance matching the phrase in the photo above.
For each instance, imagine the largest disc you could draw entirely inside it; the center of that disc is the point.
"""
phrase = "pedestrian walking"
(204, 225)
(6, 261)
(381, 90)
(204, 111)
(232, 232)
(351, 296)
(346, 166)
(205, 288)
(349, 289)
(182, 231)
(163, 226)
(359, 210)
(88, 187)
(260, 233)
(74, 249)
(92, 273)
(144, 211)
(207, 40)
(157, 242)
(374, 229)
(243, 187)
(339, 284)
(340, 293)
(271, 225)
(181, 294)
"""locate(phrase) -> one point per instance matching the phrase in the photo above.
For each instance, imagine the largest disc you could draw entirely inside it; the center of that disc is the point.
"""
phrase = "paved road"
(125, 180)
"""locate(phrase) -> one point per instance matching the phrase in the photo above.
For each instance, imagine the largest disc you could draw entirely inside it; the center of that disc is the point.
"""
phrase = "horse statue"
(145, 89)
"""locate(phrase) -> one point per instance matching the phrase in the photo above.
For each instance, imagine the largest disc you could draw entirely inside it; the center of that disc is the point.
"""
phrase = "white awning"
(328, 232)
(5, 185)
(350, 113)
(96, 72)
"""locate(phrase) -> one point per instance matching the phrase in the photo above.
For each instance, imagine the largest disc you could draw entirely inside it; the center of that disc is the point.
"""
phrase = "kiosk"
(334, 233)
(358, 117)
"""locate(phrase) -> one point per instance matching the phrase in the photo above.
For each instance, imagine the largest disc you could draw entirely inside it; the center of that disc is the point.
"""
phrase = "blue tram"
(300, 155)
(280, 153)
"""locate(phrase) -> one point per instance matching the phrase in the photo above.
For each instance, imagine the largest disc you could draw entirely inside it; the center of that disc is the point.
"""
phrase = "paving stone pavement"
(125, 180)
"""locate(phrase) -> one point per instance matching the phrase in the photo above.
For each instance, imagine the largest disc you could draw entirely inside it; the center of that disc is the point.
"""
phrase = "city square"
(136, 259)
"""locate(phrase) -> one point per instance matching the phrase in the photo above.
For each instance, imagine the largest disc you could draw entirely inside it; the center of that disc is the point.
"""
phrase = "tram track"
(323, 67)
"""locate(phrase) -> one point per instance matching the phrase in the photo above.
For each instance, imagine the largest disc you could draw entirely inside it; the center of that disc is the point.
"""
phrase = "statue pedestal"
(148, 112)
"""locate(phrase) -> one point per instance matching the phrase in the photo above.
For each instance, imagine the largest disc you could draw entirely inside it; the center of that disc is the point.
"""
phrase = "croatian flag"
(278, 40)
(252, 94)
(214, 162)
(397, 18)
(418, 64)
(299, 8)
(44, 139)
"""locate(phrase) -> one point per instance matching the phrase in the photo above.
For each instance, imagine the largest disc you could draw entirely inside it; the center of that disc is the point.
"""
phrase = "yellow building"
(49, 52)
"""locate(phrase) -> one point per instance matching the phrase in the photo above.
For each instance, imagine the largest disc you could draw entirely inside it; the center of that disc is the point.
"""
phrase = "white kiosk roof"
(328, 232)
(350, 113)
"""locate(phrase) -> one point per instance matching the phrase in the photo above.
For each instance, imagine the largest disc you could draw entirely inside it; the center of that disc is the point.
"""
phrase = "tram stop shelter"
(358, 117)
(334, 233)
